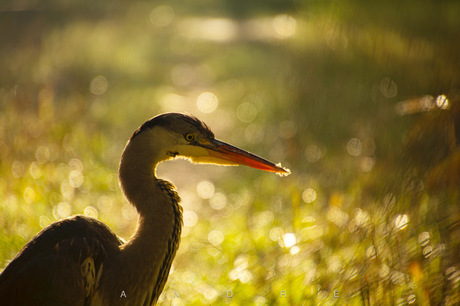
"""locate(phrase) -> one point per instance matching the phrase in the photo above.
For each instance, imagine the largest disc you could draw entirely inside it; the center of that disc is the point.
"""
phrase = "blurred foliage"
(360, 99)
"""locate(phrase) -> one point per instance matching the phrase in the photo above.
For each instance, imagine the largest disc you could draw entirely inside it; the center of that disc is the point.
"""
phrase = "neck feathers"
(173, 243)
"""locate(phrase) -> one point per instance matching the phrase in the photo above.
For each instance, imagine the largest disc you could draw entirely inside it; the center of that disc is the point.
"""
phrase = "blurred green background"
(360, 99)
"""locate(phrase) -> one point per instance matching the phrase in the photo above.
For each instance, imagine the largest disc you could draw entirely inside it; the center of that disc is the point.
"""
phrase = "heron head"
(181, 135)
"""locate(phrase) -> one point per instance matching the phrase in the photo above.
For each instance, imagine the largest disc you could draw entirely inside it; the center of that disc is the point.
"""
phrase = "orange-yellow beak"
(220, 150)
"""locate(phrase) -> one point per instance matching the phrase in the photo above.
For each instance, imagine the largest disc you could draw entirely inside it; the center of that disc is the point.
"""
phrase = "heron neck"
(155, 200)
(156, 239)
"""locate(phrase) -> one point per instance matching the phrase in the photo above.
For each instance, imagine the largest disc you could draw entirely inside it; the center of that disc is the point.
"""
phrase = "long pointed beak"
(221, 150)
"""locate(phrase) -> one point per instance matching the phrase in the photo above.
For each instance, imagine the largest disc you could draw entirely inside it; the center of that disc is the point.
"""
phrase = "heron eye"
(189, 137)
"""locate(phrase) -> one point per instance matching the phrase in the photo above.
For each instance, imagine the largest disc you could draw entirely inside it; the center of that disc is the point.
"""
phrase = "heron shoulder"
(51, 239)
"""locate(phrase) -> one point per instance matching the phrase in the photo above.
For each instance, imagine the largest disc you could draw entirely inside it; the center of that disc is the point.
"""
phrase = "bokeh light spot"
(284, 25)
(241, 262)
(361, 218)
(63, 210)
(337, 216)
(289, 240)
(314, 153)
(29, 195)
(92, 212)
(205, 189)
(35, 170)
(18, 169)
(388, 88)
(442, 102)
(276, 233)
(190, 218)
(424, 238)
(76, 164)
(240, 271)
(370, 252)
(260, 300)
(367, 163)
(98, 85)
(427, 251)
(245, 276)
(294, 250)
(129, 212)
(76, 178)
(334, 264)
(308, 221)
(264, 218)
(216, 237)
(309, 195)
(210, 293)
(161, 16)
(354, 147)
(384, 271)
(246, 112)
(42, 154)
(218, 201)
(44, 221)
(207, 102)
(401, 221)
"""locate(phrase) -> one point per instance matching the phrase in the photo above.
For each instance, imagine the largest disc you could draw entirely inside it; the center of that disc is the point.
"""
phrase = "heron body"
(80, 261)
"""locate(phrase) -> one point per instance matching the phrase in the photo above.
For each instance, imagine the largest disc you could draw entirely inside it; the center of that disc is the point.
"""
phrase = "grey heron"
(80, 261)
